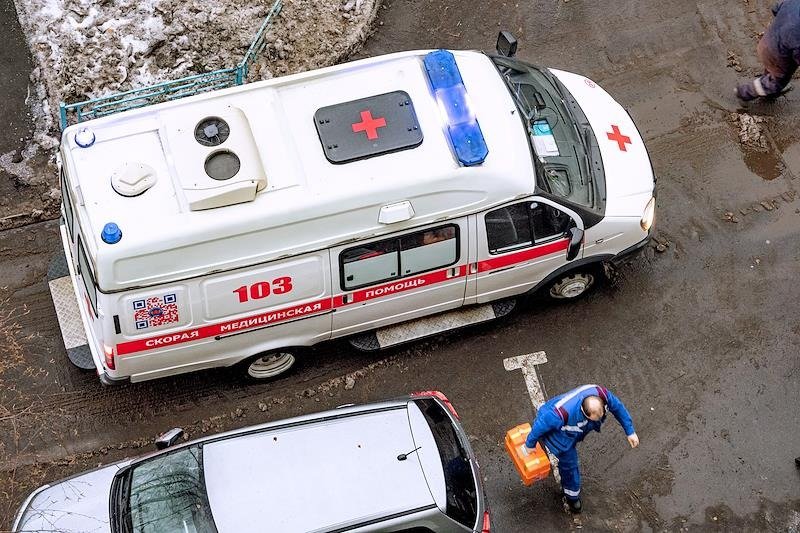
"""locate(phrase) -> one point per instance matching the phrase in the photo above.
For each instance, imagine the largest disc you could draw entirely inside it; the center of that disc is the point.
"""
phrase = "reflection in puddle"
(765, 164)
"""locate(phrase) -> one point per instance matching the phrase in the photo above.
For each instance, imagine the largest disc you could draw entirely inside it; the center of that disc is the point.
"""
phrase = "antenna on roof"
(404, 456)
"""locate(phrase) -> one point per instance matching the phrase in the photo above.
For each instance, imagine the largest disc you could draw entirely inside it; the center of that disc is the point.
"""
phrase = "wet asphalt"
(700, 339)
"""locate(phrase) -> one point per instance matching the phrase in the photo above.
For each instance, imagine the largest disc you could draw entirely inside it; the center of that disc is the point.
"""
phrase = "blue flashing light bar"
(462, 126)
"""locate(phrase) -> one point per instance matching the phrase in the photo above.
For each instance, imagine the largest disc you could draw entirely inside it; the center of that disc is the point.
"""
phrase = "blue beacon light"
(462, 126)
(111, 233)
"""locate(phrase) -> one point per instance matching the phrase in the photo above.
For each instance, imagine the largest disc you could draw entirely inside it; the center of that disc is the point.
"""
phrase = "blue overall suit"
(779, 52)
(560, 425)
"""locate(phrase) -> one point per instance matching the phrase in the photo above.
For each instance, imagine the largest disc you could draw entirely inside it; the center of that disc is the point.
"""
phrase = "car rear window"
(462, 497)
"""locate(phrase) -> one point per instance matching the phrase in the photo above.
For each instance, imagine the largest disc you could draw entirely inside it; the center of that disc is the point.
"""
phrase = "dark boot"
(746, 91)
(574, 505)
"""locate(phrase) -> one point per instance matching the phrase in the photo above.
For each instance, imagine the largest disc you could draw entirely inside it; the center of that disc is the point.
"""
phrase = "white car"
(399, 465)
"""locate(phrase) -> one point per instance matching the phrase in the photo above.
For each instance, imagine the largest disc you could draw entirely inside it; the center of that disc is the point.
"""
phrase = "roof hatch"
(368, 127)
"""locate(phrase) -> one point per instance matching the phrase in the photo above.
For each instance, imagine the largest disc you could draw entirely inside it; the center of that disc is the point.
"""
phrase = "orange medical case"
(531, 465)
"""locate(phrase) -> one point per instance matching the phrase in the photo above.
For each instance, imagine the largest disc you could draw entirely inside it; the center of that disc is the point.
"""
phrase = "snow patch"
(85, 49)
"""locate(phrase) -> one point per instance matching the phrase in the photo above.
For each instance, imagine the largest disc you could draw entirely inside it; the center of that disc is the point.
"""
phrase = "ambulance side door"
(398, 278)
(519, 244)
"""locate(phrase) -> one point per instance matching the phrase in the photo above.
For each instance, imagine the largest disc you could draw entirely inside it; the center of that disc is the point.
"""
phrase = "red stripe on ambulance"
(223, 328)
(302, 310)
(400, 286)
(525, 255)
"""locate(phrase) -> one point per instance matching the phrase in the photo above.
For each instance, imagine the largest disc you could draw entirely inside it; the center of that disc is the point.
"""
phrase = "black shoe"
(574, 505)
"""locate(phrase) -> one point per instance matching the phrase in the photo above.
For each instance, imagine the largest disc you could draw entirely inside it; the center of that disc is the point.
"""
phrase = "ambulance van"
(382, 200)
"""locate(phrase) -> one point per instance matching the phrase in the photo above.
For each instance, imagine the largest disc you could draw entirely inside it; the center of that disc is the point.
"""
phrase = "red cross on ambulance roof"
(369, 125)
(617, 136)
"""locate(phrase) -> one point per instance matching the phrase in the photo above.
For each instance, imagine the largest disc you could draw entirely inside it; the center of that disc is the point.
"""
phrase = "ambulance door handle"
(507, 268)
(473, 268)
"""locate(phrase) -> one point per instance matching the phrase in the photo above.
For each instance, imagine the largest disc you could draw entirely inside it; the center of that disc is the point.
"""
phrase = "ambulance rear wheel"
(269, 365)
(572, 285)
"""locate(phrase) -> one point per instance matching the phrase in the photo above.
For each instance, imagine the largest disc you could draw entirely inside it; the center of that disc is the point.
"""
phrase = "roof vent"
(132, 179)
(216, 160)
(222, 165)
(212, 131)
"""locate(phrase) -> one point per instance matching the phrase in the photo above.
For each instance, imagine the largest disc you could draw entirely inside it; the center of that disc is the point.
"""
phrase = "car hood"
(629, 174)
(77, 504)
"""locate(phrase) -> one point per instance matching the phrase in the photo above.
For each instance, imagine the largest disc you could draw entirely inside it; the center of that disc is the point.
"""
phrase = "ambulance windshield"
(567, 166)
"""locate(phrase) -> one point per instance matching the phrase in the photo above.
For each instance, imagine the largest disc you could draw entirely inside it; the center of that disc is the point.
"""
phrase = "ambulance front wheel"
(572, 285)
(269, 365)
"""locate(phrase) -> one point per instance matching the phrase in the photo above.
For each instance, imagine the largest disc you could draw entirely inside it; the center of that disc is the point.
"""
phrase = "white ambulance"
(383, 200)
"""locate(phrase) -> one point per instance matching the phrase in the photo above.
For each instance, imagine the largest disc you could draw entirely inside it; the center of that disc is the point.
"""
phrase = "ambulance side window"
(370, 263)
(86, 275)
(427, 250)
(67, 204)
(509, 227)
(548, 222)
(394, 258)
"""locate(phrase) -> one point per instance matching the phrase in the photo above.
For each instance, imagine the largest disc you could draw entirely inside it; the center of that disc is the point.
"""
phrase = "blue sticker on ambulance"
(368, 127)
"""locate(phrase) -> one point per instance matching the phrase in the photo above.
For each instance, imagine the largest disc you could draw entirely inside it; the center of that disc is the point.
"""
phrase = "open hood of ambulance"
(629, 174)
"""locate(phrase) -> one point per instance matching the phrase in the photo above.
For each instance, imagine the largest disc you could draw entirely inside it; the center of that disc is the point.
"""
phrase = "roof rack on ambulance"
(171, 90)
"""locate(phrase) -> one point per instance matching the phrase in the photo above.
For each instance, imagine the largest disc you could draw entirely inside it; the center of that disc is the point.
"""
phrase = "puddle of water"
(759, 157)
(765, 164)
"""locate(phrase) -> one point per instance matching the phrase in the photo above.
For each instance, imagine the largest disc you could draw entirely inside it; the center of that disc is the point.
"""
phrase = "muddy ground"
(699, 336)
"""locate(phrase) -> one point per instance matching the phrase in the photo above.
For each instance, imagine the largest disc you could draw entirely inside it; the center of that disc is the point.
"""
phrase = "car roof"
(332, 473)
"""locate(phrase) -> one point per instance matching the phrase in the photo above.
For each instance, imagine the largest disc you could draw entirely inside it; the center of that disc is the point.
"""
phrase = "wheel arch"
(595, 262)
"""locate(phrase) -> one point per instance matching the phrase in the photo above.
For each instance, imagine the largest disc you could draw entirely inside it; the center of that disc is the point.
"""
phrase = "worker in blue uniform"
(564, 421)
(779, 52)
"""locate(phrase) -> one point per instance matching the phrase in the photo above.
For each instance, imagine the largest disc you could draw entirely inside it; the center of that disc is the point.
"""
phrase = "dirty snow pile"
(88, 48)
(751, 132)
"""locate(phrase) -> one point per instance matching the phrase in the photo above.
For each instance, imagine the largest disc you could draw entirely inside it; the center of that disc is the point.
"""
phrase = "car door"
(519, 244)
(402, 277)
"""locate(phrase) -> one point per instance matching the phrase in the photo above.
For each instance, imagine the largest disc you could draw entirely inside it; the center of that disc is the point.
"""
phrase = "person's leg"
(778, 70)
(570, 478)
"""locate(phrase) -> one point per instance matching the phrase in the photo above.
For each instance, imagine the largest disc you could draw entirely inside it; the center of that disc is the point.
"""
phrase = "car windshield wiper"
(531, 113)
(119, 504)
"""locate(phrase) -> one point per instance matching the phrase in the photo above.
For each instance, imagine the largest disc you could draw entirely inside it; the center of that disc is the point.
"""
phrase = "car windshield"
(165, 493)
(561, 144)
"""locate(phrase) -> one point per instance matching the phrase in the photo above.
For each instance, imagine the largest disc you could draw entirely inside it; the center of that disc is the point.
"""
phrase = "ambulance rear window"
(67, 204)
(394, 258)
(86, 275)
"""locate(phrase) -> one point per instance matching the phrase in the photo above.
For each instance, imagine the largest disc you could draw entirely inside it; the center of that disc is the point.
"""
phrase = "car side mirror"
(167, 439)
(506, 44)
(575, 241)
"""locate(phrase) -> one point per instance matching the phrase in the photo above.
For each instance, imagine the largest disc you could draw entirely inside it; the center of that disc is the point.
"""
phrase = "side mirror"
(575, 241)
(165, 440)
(506, 44)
